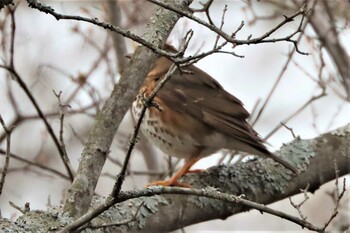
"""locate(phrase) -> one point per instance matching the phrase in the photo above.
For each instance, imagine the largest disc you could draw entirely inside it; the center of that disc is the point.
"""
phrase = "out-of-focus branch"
(281, 75)
(15, 75)
(322, 21)
(3, 3)
(119, 44)
(8, 131)
(35, 164)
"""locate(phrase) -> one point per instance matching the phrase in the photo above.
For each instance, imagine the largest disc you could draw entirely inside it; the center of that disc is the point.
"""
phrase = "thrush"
(198, 118)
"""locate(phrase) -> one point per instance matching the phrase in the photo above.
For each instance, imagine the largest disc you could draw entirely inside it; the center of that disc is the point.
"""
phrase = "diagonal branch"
(107, 122)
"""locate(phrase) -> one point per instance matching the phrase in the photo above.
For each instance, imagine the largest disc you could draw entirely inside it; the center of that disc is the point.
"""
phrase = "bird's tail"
(283, 162)
(260, 149)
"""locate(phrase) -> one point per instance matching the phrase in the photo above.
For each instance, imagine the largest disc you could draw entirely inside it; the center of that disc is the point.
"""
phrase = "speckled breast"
(164, 135)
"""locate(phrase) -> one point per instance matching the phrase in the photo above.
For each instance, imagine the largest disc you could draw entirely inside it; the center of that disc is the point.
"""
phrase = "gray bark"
(260, 180)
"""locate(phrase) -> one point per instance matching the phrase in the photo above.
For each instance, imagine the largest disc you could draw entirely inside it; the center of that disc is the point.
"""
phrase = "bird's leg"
(195, 171)
(173, 180)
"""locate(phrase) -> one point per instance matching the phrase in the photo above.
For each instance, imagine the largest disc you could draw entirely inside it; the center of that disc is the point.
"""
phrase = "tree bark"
(260, 180)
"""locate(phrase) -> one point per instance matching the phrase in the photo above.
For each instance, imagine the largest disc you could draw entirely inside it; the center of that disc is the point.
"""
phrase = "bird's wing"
(199, 95)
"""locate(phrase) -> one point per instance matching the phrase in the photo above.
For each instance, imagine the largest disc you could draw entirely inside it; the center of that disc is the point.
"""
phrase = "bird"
(196, 118)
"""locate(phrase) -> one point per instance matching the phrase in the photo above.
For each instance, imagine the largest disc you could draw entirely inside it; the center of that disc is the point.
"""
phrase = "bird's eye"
(157, 79)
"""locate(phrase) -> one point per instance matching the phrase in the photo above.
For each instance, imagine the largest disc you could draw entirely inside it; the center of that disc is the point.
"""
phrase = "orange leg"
(173, 180)
(195, 171)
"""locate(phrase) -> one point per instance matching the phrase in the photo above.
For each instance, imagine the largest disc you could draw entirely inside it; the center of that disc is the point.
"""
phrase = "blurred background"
(80, 60)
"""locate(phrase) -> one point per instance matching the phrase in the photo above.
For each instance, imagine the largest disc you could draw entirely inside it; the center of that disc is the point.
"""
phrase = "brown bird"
(198, 118)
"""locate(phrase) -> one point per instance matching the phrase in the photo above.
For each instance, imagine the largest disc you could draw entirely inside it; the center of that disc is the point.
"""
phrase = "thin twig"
(22, 210)
(19, 119)
(205, 9)
(299, 110)
(338, 196)
(63, 146)
(257, 40)
(298, 206)
(148, 102)
(11, 69)
(280, 76)
(31, 163)
(8, 131)
(41, 115)
(221, 25)
(289, 129)
(48, 10)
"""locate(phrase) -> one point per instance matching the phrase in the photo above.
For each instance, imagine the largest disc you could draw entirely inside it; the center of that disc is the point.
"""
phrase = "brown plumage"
(199, 118)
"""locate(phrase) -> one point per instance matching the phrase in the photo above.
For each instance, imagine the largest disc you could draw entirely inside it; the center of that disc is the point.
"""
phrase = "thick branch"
(260, 180)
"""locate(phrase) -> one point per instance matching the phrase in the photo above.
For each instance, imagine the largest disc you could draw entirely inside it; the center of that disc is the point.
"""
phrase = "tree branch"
(115, 15)
(260, 180)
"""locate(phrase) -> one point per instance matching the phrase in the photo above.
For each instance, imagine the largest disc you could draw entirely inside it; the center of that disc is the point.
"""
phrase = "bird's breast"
(168, 130)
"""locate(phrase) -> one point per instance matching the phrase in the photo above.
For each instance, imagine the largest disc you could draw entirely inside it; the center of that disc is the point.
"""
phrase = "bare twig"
(338, 196)
(298, 206)
(82, 78)
(281, 74)
(205, 8)
(31, 163)
(227, 37)
(257, 40)
(8, 131)
(221, 25)
(19, 119)
(148, 102)
(299, 110)
(63, 146)
(289, 129)
(22, 210)
(41, 115)
(11, 69)
(48, 10)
